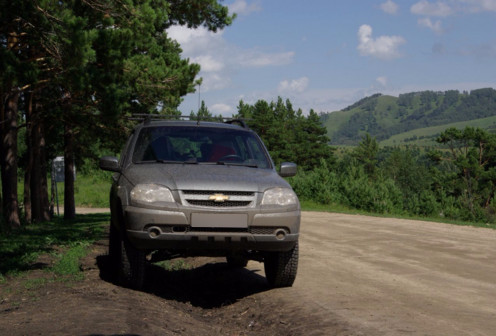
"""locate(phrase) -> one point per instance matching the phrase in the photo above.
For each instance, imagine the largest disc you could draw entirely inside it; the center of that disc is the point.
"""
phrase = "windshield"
(190, 144)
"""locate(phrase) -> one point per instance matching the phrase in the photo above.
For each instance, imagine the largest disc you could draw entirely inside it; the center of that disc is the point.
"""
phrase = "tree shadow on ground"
(20, 249)
(211, 285)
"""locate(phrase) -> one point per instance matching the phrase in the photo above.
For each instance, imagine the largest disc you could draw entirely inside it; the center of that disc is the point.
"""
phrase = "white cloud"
(219, 59)
(220, 108)
(449, 7)
(293, 86)
(434, 26)
(382, 80)
(241, 7)
(195, 41)
(480, 5)
(329, 100)
(258, 59)
(382, 47)
(427, 8)
(215, 81)
(389, 7)
(208, 63)
(446, 8)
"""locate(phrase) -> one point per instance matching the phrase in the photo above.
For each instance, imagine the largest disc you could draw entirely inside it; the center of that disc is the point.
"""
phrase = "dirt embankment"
(358, 275)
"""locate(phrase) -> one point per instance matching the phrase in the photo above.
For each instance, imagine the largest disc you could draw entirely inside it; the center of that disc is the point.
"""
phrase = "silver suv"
(188, 188)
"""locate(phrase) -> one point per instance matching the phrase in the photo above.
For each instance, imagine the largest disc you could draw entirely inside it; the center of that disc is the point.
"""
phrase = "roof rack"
(146, 118)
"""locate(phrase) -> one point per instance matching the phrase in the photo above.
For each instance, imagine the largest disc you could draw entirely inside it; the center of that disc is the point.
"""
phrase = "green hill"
(411, 116)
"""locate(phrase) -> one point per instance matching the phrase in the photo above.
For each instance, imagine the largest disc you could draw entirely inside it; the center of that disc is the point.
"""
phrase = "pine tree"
(86, 64)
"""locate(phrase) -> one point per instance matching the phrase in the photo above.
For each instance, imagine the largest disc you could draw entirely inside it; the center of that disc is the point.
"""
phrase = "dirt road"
(398, 277)
(358, 275)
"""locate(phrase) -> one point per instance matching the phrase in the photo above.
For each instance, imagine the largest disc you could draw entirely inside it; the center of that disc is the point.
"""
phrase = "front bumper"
(153, 229)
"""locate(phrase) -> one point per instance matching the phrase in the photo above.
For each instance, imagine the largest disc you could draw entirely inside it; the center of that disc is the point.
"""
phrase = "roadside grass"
(90, 191)
(67, 264)
(65, 241)
(338, 208)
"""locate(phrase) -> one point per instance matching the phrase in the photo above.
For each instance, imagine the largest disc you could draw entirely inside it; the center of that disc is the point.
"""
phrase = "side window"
(257, 152)
(124, 151)
(142, 146)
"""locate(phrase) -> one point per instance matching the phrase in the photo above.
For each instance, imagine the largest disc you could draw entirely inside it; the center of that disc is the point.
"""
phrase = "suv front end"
(183, 198)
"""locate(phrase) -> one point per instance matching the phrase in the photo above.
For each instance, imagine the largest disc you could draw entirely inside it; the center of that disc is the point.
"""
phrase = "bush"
(424, 203)
(403, 183)
(320, 185)
(352, 187)
(381, 196)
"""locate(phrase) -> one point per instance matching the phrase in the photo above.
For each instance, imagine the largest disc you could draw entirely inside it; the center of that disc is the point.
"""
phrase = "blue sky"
(327, 54)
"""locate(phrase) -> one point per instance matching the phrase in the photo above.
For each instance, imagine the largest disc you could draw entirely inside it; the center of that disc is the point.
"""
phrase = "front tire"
(128, 263)
(281, 267)
(114, 251)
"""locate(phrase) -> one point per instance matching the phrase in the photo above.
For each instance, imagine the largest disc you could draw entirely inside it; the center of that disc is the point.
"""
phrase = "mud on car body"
(191, 188)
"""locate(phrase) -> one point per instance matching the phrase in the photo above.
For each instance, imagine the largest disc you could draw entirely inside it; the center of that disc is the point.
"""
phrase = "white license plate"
(219, 220)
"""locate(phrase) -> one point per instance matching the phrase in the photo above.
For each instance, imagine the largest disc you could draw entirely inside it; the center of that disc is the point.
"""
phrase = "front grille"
(220, 230)
(218, 199)
(209, 193)
(226, 204)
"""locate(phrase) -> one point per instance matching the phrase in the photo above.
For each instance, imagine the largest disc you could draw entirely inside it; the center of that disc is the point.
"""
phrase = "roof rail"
(239, 121)
(146, 118)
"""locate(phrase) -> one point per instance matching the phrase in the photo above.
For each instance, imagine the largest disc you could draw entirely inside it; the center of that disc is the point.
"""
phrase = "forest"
(73, 72)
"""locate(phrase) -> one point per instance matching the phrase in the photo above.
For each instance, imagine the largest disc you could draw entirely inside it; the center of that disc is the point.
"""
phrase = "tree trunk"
(29, 165)
(39, 190)
(69, 203)
(42, 159)
(9, 161)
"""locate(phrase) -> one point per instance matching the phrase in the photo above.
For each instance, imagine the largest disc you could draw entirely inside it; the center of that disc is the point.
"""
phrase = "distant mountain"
(387, 117)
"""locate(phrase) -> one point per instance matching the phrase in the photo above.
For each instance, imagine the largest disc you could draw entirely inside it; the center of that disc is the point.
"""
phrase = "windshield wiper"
(227, 163)
(189, 161)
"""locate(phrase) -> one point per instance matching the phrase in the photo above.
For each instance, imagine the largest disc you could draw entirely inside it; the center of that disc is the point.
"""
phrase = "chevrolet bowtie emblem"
(218, 198)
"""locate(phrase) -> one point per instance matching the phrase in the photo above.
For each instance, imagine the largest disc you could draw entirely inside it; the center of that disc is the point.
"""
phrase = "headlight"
(151, 193)
(279, 196)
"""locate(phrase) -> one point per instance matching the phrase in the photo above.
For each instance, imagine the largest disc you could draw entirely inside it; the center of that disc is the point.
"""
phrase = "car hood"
(205, 177)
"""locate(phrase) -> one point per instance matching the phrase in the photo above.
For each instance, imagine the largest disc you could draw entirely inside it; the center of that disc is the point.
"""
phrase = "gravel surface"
(357, 275)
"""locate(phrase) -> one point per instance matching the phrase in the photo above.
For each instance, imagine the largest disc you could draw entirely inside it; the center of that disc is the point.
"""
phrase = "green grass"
(35, 283)
(90, 191)
(68, 261)
(20, 249)
(174, 265)
(428, 134)
(335, 121)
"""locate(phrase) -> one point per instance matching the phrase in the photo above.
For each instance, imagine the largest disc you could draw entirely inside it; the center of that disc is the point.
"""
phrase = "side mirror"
(110, 163)
(288, 169)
